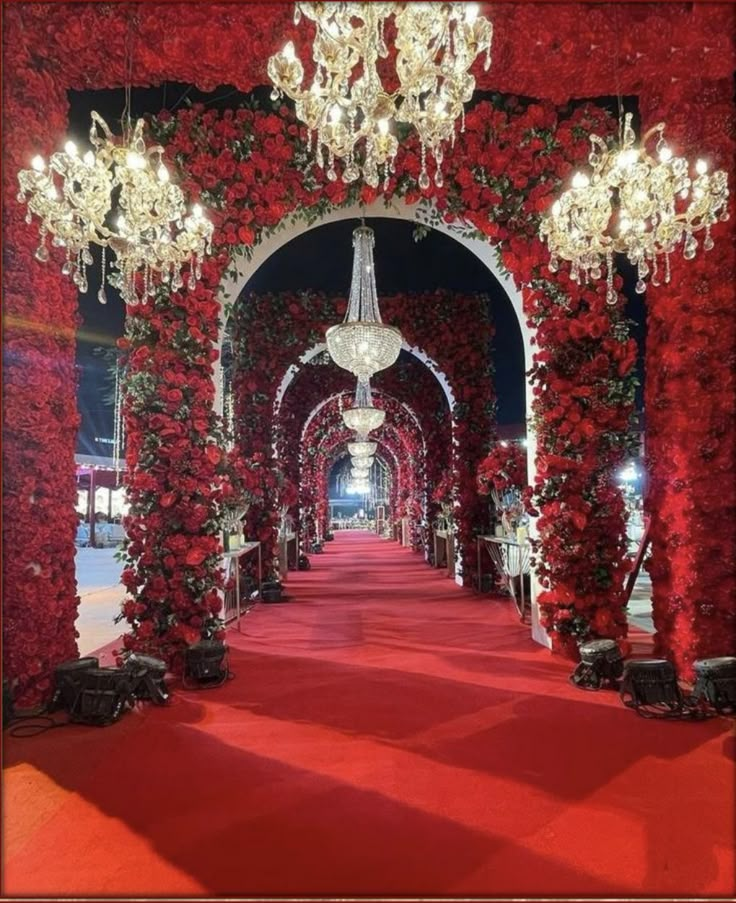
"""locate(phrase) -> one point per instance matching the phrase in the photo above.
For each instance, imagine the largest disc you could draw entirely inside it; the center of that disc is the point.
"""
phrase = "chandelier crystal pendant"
(350, 113)
(362, 343)
(634, 204)
(118, 196)
(363, 417)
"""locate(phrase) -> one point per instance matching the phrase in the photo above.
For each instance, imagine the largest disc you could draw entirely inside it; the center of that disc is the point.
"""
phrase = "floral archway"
(272, 331)
(678, 59)
(400, 441)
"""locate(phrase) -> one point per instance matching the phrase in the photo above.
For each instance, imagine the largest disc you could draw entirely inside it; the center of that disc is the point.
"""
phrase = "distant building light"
(629, 474)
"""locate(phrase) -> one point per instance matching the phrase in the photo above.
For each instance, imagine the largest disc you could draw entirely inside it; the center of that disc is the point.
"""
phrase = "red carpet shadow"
(241, 823)
(356, 699)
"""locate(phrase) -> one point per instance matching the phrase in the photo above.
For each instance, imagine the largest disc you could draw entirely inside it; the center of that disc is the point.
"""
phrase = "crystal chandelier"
(363, 462)
(360, 449)
(636, 205)
(347, 107)
(363, 417)
(118, 196)
(362, 343)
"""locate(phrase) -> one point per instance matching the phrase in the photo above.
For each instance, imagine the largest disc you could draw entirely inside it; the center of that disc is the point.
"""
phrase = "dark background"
(320, 259)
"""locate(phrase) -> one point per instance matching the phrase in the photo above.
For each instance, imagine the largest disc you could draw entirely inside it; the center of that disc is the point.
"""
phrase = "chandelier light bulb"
(134, 160)
(580, 180)
(335, 114)
(627, 158)
(435, 48)
(121, 182)
(641, 204)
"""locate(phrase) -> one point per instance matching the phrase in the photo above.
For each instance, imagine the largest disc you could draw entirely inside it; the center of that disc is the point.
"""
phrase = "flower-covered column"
(690, 403)
(175, 469)
(583, 401)
(40, 416)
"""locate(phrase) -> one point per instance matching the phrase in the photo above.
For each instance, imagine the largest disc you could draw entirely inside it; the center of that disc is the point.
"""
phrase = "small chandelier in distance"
(348, 106)
(118, 196)
(362, 343)
(635, 205)
(363, 417)
(362, 449)
(362, 462)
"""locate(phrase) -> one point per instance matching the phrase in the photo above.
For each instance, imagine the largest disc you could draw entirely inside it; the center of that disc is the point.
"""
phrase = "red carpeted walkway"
(387, 733)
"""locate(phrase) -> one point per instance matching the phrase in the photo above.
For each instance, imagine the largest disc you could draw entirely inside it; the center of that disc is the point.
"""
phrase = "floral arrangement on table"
(502, 476)
(503, 469)
(443, 494)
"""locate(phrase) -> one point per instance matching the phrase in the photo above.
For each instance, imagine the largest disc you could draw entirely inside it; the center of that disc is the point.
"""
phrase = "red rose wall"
(678, 59)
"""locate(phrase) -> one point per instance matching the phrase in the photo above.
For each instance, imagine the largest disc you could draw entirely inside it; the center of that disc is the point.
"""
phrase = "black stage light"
(715, 684)
(105, 693)
(272, 591)
(68, 682)
(600, 662)
(205, 664)
(329, 536)
(317, 547)
(147, 678)
(304, 563)
(650, 686)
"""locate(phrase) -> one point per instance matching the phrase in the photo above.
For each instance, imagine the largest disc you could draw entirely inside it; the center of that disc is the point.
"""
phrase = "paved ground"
(101, 594)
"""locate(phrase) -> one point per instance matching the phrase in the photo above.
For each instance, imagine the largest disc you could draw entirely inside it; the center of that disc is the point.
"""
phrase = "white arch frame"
(244, 268)
(417, 352)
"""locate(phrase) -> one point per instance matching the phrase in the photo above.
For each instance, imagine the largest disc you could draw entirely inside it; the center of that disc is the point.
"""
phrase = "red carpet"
(387, 733)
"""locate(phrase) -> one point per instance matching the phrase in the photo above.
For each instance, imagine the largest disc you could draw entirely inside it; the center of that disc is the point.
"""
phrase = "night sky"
(320, 260)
